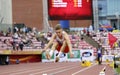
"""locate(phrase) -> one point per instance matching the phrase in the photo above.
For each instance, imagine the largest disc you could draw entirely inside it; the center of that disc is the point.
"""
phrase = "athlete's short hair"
(57, 27)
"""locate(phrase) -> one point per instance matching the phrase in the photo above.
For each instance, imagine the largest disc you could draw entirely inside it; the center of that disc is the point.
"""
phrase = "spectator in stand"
(24, 39)
(91, 28)
(15, 29)
(49, 35)
(87, 32)
(9, 30)
(1, 33)
(21, 45)
(8, 42)
(29, 35)
(34, 30)
(15, 35)
(73, 37)
(5, 41)
(8, 34)
(15, 45)
(32, 34)
(42, 44)
(118, 43)
(84, 31)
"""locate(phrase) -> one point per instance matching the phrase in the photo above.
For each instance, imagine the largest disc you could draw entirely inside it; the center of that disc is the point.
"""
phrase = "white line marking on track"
(29, 71)
(83, 70)
(63, 70)
(20, 69)
(51, 70)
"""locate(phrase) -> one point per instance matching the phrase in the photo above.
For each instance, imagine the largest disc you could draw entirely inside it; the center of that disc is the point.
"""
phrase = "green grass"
(118, 70)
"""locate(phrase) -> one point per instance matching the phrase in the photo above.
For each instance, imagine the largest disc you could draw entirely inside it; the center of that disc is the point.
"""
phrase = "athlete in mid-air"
(60, 41)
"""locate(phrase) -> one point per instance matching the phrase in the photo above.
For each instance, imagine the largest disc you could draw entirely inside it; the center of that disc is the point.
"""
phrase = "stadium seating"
(102, 39)
(76, 41)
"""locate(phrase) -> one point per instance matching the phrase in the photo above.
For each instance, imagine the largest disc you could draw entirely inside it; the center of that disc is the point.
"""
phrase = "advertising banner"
(44, 59)
(76, 56)
(107, 57)
(87, 55)
(63, 56)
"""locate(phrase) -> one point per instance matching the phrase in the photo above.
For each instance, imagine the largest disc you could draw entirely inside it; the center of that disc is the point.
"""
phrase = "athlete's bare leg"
(61, 50)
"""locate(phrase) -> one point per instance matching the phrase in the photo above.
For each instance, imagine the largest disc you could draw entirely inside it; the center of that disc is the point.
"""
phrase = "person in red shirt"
(60, 41)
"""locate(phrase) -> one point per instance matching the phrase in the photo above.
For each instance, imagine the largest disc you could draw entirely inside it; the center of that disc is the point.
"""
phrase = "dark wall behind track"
(74, 23)
(30, 12)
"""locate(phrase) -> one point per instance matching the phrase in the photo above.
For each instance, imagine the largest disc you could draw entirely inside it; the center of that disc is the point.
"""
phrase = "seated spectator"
(15, 45)
(8, 34)
(32, 34)
(82, 38)
(5, 41)
(42, 44)
(119, 43)
(15, 36)
(15, 29)
(8, 42)
(21, 45)
(29, 35)
(1, 33)
(26, 41)
(73, 37)
(49, 34)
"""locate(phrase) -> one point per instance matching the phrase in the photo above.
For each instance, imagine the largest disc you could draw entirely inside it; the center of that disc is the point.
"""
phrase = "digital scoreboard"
(69, 9)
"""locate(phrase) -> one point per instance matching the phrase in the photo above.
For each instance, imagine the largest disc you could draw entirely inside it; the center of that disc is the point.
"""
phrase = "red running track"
(62, 68)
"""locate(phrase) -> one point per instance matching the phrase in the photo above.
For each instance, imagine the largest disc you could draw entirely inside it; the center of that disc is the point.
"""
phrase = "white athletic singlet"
(60, 40)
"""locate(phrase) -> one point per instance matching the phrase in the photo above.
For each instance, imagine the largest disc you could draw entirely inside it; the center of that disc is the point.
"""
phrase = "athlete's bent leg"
(61, 50)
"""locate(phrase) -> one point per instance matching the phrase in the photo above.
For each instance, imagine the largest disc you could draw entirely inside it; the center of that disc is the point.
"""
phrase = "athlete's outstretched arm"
(68, 42)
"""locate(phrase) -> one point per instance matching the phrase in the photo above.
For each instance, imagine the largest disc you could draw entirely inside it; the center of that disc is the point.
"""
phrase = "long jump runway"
(61, 68)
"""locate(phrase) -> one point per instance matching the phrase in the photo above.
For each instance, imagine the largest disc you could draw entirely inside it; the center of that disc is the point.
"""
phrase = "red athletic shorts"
(66, 50)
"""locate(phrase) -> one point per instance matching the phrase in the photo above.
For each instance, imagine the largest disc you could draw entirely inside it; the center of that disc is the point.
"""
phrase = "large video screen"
(69, 9)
